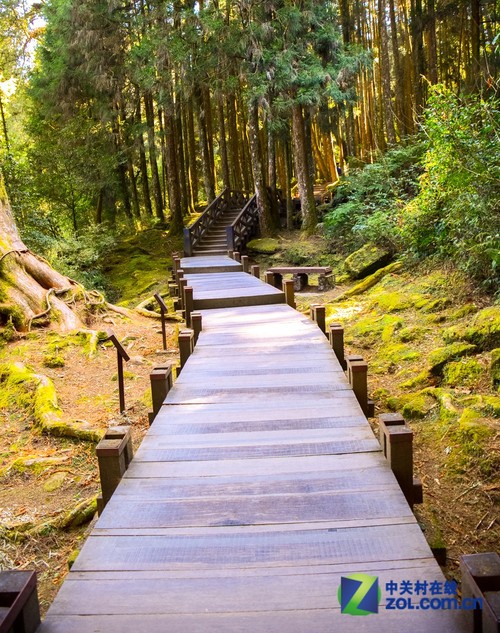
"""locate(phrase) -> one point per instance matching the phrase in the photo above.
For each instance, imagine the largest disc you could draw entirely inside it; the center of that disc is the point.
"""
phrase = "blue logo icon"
(359, 594)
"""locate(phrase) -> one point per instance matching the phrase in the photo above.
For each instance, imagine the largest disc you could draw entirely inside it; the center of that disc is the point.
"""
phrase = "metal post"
(163, 311)
(121, 355)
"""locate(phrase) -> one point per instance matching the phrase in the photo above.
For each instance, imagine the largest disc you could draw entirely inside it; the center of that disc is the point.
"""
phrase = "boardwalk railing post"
(396, 440)
(196, 324)
(162, 381)
(269, 278)
(188, 304)
(19, 606)
(336, 337)
(237, 256)
(481, 584)
(245, 263)
(318, 315)
(230, 253)
(357, 374)
(186, 346)
(163, 312)
(289, 292)
(114, 453)
(177, 266)
(182, 284)
(256, 271)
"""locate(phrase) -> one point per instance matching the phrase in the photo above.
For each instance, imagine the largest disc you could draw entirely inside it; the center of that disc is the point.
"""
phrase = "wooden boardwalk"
(259, 485)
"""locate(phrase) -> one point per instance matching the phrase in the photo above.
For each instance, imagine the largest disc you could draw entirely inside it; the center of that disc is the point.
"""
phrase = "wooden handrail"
(243, 226)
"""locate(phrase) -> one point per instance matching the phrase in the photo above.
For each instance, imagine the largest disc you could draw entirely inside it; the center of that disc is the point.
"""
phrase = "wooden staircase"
(227, 224)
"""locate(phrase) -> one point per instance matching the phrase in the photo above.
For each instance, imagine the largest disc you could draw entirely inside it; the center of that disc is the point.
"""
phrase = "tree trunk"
(28, 284)
(303, 171)
(208, 175)
(173, 185)
(226, 180)
(191, 146)
(234, 158)
(385, 72)
(143, 165)
(265, 213)
(157, 195)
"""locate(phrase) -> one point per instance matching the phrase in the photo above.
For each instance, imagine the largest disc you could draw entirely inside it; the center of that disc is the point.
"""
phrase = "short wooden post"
(230, 254)
(188, 304)
(177, 266)
(289, 292)
(256, 271)
(112, 453)
(237, 256)
(351, 359)
(186, 346)
(481, 590)
(19, 606)
(318, 315)
(245, 263)
(269, 277)
(183, 282)
(196, 324)
(396, 440)
(336, 337)
(162, 381)
(118, 433)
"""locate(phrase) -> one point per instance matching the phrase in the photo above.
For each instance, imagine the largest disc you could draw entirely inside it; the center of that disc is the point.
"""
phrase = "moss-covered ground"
(432, 343)
(53, 383)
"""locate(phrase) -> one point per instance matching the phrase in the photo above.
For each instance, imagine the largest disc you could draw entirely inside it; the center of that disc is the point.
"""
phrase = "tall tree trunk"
(208, 175)
(418, 53)
(398, 72)
(233, 146)
(432, 42)
(265, 213)
(475, 65)
(155, 176)
(385, 72)
(192, 153)
(226, 179)
(143, 165)
(173, 185)
(288, 186)
(303, 170)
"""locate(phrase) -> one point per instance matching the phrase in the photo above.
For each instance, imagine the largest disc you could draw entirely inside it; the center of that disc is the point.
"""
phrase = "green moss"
(484, 330)
(368, 282)
(466, 372)
(72, 558)
(414, 406)
(10, 312)
(128, 375)
(371, 329)
(412, 333)
(53, 361)
(421, 379)
(366, 260)
(495, 367)
(392, 301)
(443, 355)
(266, 246)
(448, 411)
(463, 311)
(432, 305)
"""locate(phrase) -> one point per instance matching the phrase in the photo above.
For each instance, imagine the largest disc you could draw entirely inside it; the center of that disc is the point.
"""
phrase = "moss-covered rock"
(495, 367)
(373, 328)
(432, 305)
(53, 361)
(463, 311)
(368, 282)
(443, 355)
(420, 380)
(265, 245)
(367, 260)
(465, 372)
(483, 331)
(392, 301)
(413, 406)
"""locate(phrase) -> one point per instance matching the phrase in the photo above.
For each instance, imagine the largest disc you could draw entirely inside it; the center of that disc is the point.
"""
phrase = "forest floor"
(397, 325)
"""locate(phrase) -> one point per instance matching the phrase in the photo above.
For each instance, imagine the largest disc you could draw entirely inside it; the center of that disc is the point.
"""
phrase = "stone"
(483, 331)
(55, 481)
(367, 260)
(495, 367)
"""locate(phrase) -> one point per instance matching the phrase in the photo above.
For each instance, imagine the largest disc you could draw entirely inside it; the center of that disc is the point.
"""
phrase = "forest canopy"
(129, 115)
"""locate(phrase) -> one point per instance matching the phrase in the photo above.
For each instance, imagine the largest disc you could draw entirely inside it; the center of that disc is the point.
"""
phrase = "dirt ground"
(44, 476)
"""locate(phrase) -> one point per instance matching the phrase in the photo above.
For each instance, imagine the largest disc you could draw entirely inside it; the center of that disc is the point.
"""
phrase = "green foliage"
(368, 203)
(456, 214)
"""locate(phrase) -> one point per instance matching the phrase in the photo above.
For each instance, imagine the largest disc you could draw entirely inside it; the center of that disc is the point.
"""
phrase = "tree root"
(368, 282)
(48, 416)
(80, 514)
(144, 309)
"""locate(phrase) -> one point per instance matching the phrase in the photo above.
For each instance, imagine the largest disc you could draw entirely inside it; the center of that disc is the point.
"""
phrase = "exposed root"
(48, 416)
(368, 282)
(145, 306)
(78, 515)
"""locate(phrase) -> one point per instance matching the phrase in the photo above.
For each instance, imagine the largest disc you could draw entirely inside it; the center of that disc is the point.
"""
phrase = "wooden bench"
(19, 610)
(326, 279)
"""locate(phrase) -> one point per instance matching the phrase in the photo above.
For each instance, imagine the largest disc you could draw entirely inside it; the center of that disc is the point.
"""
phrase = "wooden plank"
(294, 621)
(261, 509)
(260, 466)
(268, 549)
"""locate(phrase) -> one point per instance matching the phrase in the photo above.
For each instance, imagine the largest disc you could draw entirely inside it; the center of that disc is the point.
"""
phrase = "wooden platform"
(259, 485)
